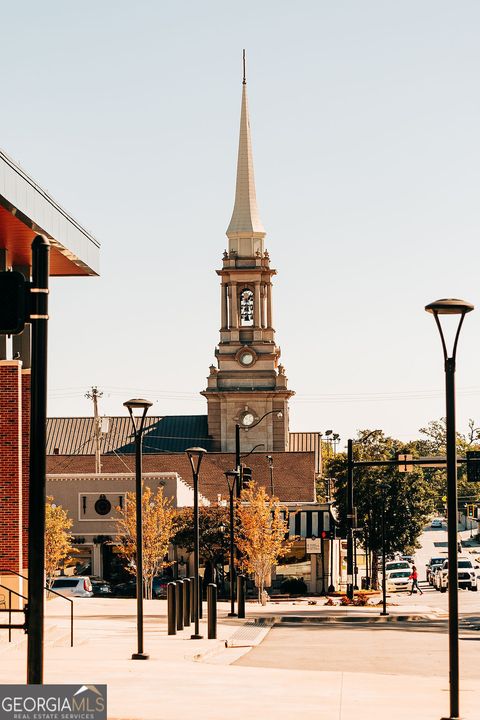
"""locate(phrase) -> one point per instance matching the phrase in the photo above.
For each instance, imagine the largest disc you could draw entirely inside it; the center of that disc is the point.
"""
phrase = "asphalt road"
(405, 648)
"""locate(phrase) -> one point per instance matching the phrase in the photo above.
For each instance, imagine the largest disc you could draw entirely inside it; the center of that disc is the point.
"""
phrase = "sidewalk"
(185, 677)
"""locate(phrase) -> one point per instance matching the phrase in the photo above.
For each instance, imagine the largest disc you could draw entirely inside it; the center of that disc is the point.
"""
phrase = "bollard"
(186, 601)
(179, 603)
(192, 599)
(172, 620)
(212, 610)
(200, 597)
(241, 583)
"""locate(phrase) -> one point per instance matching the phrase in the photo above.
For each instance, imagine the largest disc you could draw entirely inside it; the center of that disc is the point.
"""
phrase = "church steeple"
(246, 231)
(249, 382)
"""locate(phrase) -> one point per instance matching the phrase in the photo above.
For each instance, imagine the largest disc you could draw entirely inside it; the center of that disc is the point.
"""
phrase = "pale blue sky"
(365, 121)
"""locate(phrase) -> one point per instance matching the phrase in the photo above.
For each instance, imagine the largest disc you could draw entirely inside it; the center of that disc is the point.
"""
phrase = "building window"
(246, 307)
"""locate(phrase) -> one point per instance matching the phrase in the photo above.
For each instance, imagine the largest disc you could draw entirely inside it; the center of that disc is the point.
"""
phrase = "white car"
(398, 579)
(397, 565)
(466, 574)
(436, 523)
(75, 586)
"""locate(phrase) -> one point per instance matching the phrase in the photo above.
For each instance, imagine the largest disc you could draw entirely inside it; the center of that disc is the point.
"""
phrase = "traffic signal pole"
(350, 513)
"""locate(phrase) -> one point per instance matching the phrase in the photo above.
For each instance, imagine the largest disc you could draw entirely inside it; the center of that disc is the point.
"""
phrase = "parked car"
(397, 565)
(76, 586)
(436, 523)
(432, 563)
(467, 576)
(126, 589)
(101, 588)
(398, 579)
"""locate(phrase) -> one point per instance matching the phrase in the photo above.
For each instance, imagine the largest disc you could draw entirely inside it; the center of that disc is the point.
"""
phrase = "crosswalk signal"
(246, 476)
(14, 311)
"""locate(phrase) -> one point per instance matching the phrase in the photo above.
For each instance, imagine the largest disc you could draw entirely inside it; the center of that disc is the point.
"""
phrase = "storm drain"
(250, 634)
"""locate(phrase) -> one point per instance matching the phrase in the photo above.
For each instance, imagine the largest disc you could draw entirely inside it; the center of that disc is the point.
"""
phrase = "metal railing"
(9, 610)
(54, 592)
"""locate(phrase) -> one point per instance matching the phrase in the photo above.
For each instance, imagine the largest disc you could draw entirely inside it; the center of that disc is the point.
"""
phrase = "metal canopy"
(27, 210)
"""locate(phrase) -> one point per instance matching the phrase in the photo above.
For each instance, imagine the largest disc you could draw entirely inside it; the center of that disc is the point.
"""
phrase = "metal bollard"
(192, 599)
(200, 597)
(186, 601)
(212, 610)
(171, 609)
(241, 584)
(179, 603)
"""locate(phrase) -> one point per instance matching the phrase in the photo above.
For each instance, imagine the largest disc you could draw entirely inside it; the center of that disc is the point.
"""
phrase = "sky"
(366, 146)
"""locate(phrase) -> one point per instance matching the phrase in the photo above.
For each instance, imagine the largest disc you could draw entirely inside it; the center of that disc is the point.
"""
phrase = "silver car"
(75, 586)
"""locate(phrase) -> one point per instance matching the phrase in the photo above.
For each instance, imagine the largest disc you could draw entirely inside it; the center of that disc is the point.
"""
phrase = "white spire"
(245, 223)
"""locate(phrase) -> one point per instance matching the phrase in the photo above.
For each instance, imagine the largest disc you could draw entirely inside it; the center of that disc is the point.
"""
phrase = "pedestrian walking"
(414, 578)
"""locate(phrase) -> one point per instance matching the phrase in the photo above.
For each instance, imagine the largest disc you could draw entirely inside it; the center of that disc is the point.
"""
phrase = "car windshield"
(436, 561)
(465, 564)
(400, 574)
(396, 565)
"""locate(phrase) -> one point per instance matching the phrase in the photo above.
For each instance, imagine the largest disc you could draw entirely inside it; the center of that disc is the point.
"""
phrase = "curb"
(365, 619)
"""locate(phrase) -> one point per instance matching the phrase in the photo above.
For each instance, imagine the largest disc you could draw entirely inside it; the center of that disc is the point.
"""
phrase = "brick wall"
(11, 452)
(26, 376)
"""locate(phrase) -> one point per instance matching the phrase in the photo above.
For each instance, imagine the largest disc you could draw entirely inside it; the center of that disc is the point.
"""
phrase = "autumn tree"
(58, 540)
(260, 534)
(157, 524)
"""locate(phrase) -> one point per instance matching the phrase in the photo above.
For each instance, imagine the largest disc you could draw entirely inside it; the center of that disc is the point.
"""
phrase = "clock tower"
(248, 380)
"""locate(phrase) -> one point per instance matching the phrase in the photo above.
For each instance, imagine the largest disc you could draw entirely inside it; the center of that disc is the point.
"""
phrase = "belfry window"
(246, 307)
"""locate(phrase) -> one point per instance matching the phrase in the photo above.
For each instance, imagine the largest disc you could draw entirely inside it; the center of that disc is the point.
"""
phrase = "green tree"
(409, 500)
(214, 534)
(58, 540)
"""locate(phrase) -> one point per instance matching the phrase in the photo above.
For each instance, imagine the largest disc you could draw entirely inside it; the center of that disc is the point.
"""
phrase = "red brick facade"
(26, 377)
(11, 461)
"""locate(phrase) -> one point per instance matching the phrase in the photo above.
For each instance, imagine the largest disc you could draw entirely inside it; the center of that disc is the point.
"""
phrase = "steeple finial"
(245, 231)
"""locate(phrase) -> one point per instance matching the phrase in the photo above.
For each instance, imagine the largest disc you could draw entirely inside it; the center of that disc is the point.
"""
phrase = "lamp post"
(195, 456)
(461, 308)
(270, 465)
(231, 476)
(383, 488)
(141, 405)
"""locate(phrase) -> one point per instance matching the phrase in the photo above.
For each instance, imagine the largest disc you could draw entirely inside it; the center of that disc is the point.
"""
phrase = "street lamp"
(270, 465)
(231, 476)
(140, 405)
(383, 488)
(451, 307)
(195, 456)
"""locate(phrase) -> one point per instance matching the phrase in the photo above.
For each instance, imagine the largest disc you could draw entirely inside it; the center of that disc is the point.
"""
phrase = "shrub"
(294, 586)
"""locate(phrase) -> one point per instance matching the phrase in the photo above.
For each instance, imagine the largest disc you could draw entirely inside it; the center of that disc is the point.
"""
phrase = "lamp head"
(195, 451)
(137, 404)
(449, 306)
(280, 415)
(328, 432)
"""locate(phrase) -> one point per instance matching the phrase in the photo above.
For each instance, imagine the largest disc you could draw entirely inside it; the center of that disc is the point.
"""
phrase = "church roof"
(293, 472)
(245, 220)
(169, 433)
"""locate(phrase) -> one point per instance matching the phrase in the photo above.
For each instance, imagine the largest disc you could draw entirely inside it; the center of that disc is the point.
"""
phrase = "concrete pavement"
(186, 677)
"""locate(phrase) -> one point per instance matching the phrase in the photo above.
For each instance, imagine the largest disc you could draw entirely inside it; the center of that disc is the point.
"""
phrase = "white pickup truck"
(466, 574)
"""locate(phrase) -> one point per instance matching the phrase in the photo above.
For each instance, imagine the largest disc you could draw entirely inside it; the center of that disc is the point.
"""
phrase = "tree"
(157, 524)
(58, 540)
(214, 533)
(409, 498)
(260, 536)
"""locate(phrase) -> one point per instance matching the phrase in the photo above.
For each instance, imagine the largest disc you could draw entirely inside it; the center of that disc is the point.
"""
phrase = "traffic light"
(473, 466)
(246, 476)
(14, 311)
(328, 534)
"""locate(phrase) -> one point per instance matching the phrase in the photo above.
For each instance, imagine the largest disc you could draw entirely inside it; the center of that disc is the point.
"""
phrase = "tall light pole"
(383, 488)
(231, 476)
(270, 465)
(451, 307)
(195, 455)
(141, 405)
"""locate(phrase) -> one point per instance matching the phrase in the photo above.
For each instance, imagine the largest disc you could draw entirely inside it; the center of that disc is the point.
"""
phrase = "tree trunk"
(375, 570)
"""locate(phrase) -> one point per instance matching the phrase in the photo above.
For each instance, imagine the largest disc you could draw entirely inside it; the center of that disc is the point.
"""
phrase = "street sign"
(403, 463)
(313, 545)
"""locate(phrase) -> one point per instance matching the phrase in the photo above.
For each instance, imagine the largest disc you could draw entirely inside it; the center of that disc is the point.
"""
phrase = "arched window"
(246, 307)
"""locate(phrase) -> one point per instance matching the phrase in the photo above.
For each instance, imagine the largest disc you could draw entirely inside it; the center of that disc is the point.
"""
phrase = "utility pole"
(94, 394)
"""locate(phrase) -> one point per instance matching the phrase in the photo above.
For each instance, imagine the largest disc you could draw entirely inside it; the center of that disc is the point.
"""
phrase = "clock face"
(246, 358)
(248, 419)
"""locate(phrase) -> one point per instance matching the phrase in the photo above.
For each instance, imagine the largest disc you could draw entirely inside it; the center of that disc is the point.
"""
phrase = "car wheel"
(443, 589)
(474, 588)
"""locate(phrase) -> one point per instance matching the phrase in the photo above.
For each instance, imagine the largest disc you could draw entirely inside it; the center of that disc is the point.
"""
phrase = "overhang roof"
(27, 210)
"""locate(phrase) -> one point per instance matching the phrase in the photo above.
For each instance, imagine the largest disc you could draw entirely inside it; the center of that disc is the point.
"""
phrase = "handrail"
(24, 627)
(14, 572)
